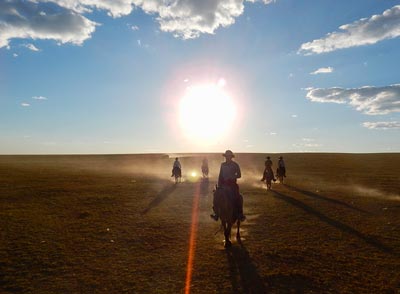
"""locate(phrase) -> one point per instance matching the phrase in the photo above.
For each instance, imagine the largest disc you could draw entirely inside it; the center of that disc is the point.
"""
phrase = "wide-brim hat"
(267, 157)
(228, 153)
(280, 157)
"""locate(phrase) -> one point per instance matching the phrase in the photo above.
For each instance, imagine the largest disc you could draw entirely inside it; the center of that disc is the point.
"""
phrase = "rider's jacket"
(281, 163)
(229, 172)
(177, 164)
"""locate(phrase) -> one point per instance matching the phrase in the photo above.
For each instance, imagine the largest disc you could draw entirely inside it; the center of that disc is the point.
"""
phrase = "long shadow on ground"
(314, 195)
(160, 197)
(204, 186)
(343, 227)
(242, 268)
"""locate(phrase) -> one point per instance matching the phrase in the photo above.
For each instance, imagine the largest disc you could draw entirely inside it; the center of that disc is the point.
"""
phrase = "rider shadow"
(160, 197)
(335, 201)
(337, 224)
(204, 186)
(243, 273)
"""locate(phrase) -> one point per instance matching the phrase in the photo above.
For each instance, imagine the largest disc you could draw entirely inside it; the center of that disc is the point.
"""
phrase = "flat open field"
(118, 224)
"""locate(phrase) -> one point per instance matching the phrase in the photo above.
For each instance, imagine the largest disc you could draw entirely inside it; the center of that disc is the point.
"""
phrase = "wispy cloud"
(24, 104)
(382, 125)
(15, 55)
(31, 47)
(322, 70)
(39, 98)
(134, 28)
(369, 100)
(365, 31)
(307, 146)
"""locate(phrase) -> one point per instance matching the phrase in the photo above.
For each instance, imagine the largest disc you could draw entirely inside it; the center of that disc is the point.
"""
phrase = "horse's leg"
(227, 233)
(238, 232)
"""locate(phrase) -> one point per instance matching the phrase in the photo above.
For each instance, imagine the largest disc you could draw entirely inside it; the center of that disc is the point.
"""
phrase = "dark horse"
(204, 170)
(280, 173)
(227, 211)
(268, 177)
(177, 173)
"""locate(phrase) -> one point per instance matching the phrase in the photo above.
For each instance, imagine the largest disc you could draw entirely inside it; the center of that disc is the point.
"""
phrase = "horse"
(224, 205)
(280, 173)
(268, 177)
(204, 170)
(177, 173)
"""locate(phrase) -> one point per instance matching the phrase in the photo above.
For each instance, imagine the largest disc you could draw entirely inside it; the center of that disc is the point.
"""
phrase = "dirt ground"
(118, 224)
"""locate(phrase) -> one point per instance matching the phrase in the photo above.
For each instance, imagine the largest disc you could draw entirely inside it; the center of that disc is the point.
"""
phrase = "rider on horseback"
(281, 166)
(268, 169)
(204, 167)
(176, 168)
(229, 172)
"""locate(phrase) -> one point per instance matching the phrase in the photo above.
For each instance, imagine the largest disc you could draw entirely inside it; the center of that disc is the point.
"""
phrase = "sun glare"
(206, 112)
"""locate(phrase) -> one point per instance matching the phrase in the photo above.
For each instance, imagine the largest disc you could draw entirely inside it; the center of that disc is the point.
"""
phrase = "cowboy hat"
(228, 153)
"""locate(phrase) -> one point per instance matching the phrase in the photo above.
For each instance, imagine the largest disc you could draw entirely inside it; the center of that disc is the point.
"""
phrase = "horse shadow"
(243, 273)
(204, 186)
(337, 224)
(321, 197)
(160, 197)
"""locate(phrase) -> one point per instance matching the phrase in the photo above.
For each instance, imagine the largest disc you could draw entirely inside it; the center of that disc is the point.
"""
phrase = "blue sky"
(305, 76)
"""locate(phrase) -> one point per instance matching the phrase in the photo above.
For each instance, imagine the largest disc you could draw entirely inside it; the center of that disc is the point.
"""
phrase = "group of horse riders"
(228, 175)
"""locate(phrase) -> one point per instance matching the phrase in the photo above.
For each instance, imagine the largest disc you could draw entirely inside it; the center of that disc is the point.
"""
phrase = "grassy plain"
(117, 224)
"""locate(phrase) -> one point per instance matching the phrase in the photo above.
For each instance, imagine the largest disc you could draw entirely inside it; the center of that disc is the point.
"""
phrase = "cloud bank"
(369, 100)
(366, 31)
(65, 21)
(382, 125)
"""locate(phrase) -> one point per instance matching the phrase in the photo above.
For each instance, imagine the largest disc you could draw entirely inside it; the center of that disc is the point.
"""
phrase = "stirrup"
(214, 217)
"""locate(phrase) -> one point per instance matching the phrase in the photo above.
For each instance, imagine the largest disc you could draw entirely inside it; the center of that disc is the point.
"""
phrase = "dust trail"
(373, 193)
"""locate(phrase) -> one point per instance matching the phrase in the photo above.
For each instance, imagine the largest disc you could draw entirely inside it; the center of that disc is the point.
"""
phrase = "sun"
(206, 112)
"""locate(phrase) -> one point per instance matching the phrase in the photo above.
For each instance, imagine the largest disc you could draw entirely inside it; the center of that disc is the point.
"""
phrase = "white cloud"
(139, 42)
(67, 22)
(294, 115)
(39, 98)
(322, 70)
(382, 125)
(369, 100)
(114, 8)
(134, 28)
(31, 47)
(23, 19)
(24, 104)
(365, 31)
(15, 54)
